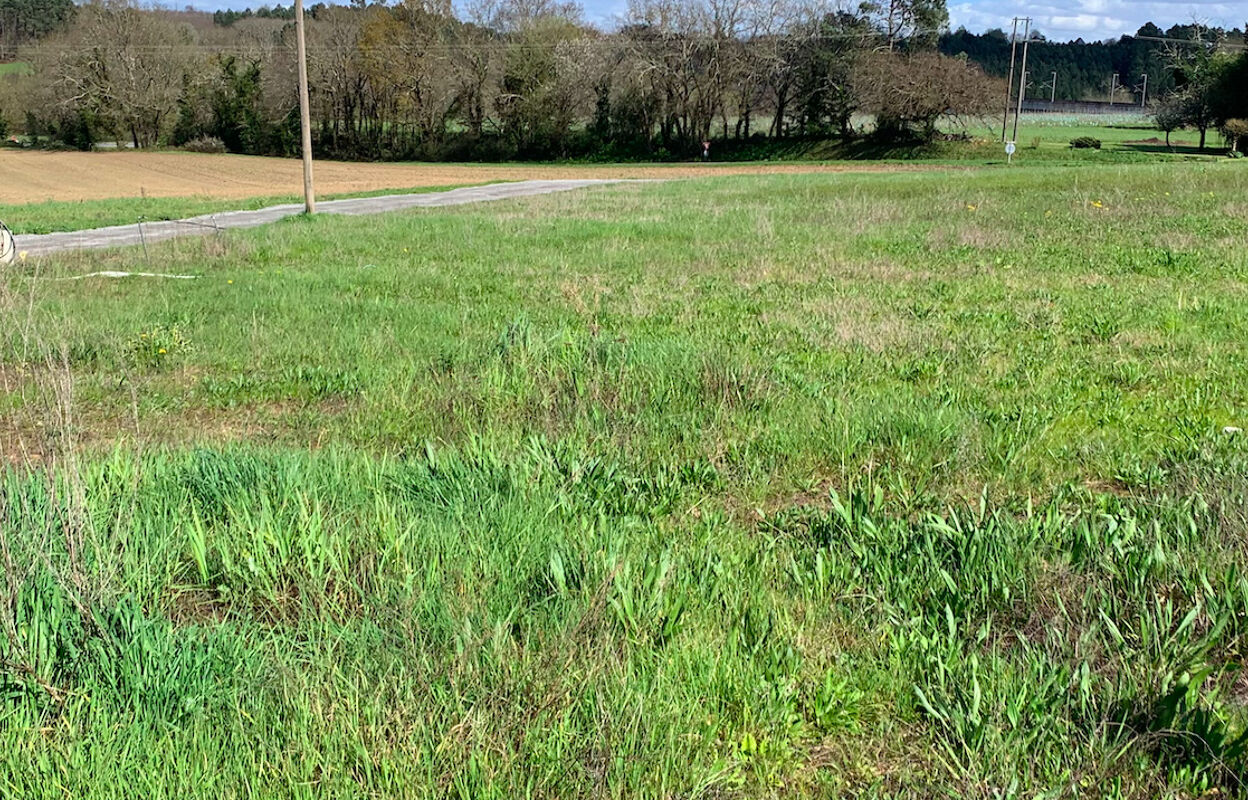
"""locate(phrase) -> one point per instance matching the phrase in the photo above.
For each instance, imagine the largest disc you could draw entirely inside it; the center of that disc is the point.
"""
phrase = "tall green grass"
(943, 332)
(899, 485)
(548, 624)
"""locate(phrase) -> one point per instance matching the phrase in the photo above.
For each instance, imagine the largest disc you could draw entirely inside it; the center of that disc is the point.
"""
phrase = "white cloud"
(1097, 19)
(1083, 23)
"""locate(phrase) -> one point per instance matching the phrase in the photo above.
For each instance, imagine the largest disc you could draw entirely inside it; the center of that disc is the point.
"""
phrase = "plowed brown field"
(29, 176)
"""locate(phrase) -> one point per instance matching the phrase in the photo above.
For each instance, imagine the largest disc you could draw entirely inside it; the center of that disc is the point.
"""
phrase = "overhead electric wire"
(601, 39)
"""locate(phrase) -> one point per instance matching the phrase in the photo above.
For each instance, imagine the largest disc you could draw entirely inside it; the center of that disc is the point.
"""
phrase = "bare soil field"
(35, 176)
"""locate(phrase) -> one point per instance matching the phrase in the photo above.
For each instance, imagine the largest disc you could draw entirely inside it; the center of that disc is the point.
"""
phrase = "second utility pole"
(1022, 81)
(1009, 84)
(305, 117)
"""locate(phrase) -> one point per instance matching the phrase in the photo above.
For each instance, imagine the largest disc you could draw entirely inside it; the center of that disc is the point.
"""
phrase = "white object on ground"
(112, 274)
(1232, 429)
(8, 247)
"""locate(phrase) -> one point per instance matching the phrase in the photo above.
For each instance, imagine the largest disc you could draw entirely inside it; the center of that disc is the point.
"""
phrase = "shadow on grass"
(1173, 149)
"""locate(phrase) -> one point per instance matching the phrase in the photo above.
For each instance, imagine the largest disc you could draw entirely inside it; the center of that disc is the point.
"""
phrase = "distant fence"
(1082, 107)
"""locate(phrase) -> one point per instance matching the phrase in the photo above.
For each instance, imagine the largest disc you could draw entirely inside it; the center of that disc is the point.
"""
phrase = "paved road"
(123, 235)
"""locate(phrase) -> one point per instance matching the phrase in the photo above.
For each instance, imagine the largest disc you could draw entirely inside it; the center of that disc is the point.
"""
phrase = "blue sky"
(1095, 19)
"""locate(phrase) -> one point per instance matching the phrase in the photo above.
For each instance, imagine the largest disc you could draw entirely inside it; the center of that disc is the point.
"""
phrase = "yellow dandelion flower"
(22, 256)
(1097, 204)
(970, 207)
(230, 281)
(161, 351)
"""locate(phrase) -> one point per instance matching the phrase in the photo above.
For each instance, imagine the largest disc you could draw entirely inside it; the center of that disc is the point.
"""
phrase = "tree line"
(507, 79)
(1210, 91)
(1082, 70)
(515, 78)
(1197, 76)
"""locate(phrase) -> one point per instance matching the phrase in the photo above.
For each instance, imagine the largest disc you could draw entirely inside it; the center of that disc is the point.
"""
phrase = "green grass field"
(911, 484)
(1043, 139)
(1126, 135)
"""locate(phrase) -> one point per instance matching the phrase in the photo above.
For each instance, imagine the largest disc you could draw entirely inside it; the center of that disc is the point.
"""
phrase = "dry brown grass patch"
(900, 762)
(856, 320)
(986, 238)
(1180, 241)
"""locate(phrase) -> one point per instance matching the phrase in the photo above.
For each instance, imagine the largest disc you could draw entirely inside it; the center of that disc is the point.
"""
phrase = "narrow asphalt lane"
(34, 245)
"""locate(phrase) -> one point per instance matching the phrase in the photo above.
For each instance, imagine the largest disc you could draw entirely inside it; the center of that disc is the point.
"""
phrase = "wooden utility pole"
(1113, 87)
(305, 114)
(1009, 84)
(1144, 92)
(1053, 97)
(1022, 82)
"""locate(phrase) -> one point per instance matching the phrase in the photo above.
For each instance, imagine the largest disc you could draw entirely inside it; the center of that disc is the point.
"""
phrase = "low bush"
(1236, 130)
(205, 144)
(1086, 143)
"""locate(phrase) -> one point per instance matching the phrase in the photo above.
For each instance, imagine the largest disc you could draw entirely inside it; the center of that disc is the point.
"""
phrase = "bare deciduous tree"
(121, 66)
(520, 77)
(913, 92)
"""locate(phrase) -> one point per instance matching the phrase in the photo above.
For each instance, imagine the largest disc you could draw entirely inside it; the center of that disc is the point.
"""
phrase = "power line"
(1206, 42)
(603, 40)
(1052, 85)
(608, 40)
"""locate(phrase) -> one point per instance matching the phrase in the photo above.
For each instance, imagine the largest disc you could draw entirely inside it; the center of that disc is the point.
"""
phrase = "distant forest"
(1085, 70)
(25, 21)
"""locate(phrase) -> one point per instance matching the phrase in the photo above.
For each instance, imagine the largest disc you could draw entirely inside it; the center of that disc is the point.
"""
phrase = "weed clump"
(159, 347)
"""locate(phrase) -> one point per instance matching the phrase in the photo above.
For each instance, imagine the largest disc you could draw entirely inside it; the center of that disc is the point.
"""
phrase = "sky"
(1094, 19)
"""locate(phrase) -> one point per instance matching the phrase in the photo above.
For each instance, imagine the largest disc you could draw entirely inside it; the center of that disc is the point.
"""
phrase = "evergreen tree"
(24, 21)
